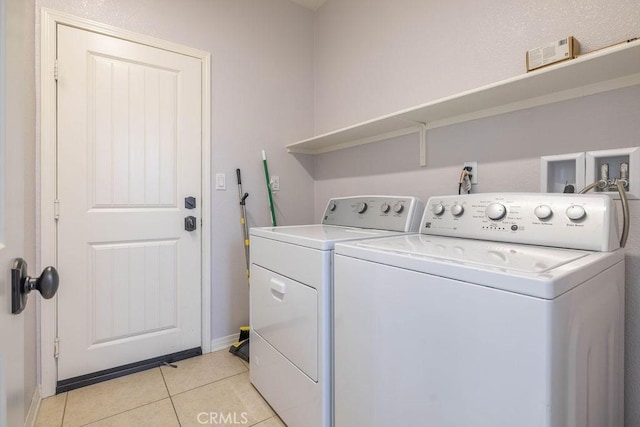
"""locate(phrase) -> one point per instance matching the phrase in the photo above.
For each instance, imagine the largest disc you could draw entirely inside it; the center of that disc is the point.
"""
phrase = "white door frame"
(47, 184)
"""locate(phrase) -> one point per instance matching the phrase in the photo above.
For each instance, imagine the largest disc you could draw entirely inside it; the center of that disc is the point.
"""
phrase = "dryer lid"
(319, 236)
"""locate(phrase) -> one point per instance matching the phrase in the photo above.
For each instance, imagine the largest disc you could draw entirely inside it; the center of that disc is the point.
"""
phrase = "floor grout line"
(64, 410)
(207, 384)
(173, 405)
(123, 412)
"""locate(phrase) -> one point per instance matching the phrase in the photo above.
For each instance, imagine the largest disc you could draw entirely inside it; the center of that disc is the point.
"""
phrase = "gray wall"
(374, 57)
(262, 97)
(18, 332)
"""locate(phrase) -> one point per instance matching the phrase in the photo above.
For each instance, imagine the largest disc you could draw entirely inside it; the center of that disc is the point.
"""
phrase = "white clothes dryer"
(291, 295)
(506, 310)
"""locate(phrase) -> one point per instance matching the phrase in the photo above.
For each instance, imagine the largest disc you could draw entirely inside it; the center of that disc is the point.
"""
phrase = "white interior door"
(129, 152)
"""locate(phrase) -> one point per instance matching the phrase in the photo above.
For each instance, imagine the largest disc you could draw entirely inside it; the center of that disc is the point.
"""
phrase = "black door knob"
(46, 284)
(21, 284)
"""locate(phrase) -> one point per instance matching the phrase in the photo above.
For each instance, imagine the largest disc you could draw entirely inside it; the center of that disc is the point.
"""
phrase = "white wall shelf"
(607, 69)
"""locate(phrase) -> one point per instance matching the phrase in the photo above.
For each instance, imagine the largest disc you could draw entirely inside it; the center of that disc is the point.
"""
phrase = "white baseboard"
(33, 408)
(224, 342)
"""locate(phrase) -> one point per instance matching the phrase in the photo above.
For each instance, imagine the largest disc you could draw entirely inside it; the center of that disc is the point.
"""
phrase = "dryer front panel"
(285, 313)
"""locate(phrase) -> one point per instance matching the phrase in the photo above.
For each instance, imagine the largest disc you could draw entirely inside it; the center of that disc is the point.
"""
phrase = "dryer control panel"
(576, 221)
(393, 213)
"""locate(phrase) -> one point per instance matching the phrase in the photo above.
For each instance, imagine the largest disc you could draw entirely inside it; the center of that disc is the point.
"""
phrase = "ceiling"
(311, 4)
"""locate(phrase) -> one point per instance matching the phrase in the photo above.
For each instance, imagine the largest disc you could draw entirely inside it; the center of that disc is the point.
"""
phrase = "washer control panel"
(393, 213)
(576, 221)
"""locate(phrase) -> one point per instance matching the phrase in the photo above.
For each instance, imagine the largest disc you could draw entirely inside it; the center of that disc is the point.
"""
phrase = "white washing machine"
(291, 301)
(506, 310)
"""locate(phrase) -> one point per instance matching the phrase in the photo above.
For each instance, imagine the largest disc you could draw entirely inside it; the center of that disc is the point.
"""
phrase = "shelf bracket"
(422, 133)
(423, 144)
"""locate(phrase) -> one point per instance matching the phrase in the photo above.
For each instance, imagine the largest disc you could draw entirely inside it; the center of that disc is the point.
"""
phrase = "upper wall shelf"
(600, 71)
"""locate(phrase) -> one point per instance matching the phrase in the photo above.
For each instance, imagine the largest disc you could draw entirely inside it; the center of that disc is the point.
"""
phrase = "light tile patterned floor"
(212, 389)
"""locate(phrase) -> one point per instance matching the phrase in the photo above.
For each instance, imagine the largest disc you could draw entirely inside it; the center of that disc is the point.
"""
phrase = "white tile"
(201, 370)
(98, 401)
(232, 401)
(51, 411)
(157, 414)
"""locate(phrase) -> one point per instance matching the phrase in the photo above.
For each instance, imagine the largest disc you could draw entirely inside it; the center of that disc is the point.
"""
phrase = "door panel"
(133, 289)
(129, 149)
(134, 150)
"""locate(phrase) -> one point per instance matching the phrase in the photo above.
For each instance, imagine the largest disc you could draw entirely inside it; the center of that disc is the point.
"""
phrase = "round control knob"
(398, 207)
(332, 206)
(361, 207)
(495, 211)
(543, 212)
(575, 212)
(457, 210)
(384, 208)
(438, 209)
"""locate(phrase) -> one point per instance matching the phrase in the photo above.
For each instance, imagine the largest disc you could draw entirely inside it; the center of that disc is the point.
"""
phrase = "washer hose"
(623, 200)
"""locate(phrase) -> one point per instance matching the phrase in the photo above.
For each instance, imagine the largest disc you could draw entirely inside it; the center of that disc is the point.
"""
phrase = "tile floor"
(212, 389)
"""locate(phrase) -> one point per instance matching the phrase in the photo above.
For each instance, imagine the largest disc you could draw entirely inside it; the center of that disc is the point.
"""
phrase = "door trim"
(49, 19)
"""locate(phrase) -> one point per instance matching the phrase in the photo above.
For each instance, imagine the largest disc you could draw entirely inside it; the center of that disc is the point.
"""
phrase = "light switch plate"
(221, 181)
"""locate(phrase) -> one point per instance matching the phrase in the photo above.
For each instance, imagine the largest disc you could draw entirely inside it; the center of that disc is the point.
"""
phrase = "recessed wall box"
(611, 165)
(562, 173)
(557, 51)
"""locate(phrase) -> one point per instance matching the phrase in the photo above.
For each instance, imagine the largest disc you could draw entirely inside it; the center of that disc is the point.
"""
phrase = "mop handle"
(266, 175)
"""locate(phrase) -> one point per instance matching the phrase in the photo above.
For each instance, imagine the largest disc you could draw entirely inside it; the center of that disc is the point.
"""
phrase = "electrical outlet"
(474, 171)
(275, 183)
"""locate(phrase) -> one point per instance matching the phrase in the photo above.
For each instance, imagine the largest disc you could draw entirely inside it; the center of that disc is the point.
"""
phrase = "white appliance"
(291, 301)
(462, 325)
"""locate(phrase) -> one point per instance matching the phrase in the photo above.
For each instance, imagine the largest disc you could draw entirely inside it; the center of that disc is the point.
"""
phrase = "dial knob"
(543, 212)
(575, 212)
(398, 207)
(495, 211)
(457, 210)
(361, 207)
(438, 209)
(332, 206)
(384, 208)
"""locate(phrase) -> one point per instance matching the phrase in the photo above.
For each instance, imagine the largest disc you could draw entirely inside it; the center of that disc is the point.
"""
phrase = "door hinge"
(56, 347)
(56, 209)
(55, 70)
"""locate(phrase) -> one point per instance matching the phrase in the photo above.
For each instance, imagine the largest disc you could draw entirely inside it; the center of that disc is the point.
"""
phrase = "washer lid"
(319, 236)
(531, 270)
(510, 257)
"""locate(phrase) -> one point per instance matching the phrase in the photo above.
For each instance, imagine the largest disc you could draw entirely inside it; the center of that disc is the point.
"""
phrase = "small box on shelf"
(559, 50)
